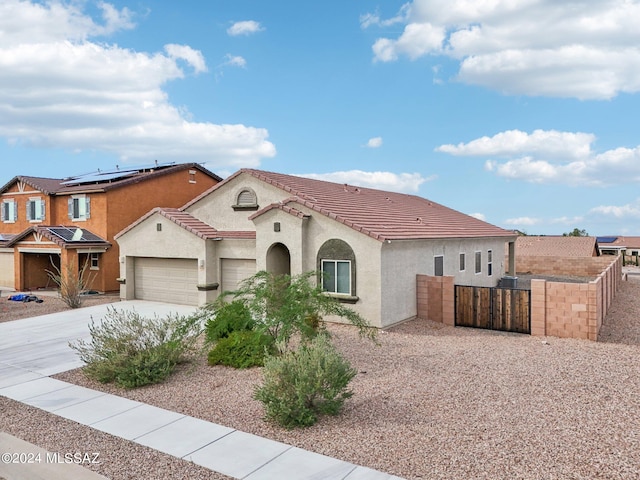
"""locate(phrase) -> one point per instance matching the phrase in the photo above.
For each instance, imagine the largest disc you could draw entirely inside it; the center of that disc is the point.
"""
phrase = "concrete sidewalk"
(33, 349)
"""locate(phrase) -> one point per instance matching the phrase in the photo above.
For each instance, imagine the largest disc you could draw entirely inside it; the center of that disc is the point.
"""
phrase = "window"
(79, 207)
(35, 209)
(462, 262)
(337, 270)
(336, 276)
(478, 262)
(438, 265)
(94, 261)
(192, 176)
(9, 211)
(489, 262)
(246, 200)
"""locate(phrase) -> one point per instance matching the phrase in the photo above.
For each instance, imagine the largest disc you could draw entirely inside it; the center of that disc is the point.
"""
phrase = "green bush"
(133, 351)
(300, 385)
(242, 349)
(227, 318)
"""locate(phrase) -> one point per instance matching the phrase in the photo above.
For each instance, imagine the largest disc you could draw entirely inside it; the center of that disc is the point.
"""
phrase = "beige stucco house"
(370, 244)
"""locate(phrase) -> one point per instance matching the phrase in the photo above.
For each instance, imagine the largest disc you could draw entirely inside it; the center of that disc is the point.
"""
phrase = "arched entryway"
(279, 260)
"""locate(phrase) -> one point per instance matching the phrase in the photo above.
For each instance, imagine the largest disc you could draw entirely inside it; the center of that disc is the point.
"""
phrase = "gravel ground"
(10, 310)
(429, 402)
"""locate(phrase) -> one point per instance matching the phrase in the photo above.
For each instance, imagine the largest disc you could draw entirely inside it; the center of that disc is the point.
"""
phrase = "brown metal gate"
(506, 309)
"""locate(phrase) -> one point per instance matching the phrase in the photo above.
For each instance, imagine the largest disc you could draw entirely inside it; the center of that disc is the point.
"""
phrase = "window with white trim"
(9, 211)
(94, 261)
(478, 262)
(336, 276)
(35, 209)
(79, 207)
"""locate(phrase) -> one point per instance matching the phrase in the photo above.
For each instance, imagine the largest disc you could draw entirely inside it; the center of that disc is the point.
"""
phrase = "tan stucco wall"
(402, 260)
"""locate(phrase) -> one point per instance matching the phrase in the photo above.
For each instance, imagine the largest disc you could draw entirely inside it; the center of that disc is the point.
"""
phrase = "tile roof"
(377, 213)
(101, 182)
(191, 224)
(619, 241)
(556, 246)
(280, 206)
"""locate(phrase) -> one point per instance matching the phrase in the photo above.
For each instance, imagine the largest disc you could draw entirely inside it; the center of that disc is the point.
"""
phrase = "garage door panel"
(172, 280)
(6, 269)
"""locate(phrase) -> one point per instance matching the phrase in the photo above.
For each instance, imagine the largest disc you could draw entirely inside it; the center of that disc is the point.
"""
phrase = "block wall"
(436, 298)
(567, 266)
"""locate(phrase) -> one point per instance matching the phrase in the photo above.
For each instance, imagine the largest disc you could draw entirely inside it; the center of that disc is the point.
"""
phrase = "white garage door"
(171, 280)
(234, 270)
(6, 269)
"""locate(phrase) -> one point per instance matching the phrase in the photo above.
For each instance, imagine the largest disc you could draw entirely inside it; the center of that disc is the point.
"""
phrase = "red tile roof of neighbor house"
(556, 246)
(191, 224)
(379, 214)
(620, 241)
(103, 181)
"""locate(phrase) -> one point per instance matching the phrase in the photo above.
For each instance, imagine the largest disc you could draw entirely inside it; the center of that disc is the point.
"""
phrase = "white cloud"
(479, 216)
(188, 54)
(550, 156)
(247, 27)
(234, 61)
(403, 182)
(628, 211)
(59, 89)
(567, 220)
(375, 142)
(588, 49)
(522, 221)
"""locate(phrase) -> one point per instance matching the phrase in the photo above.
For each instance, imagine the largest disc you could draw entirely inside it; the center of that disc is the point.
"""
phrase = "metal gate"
(506, 309)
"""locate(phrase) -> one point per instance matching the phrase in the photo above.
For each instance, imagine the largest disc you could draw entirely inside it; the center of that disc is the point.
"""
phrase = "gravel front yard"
(430, 402)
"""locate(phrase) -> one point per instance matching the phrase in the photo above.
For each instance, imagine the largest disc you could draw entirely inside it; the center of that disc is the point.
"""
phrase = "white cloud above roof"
(550, 156)
(394, 182)
(587, 49)
(246, 27)
(101, 97)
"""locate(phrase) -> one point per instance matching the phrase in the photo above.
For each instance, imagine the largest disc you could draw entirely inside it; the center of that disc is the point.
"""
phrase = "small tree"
(72, 283)
(576, 233)
(283, 306)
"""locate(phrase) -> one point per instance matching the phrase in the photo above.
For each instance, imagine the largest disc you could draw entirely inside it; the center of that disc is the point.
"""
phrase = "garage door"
(234, 270)
(171, 280)
(6, 269)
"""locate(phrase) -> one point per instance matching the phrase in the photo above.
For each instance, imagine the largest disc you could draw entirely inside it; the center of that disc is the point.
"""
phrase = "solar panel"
(72, 234)
(99, 177)
(606, 239)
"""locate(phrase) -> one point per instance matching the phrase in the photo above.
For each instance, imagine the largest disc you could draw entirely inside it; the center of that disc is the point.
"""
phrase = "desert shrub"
(300, 385)
(226, 318)
(284, 306)
(131, 350)
(242, 349)
(72, 283)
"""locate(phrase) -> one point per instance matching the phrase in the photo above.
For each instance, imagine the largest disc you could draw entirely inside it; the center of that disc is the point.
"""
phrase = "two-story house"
(65, 224)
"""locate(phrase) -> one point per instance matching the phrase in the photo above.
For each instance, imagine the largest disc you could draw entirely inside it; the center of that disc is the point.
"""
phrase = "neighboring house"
(369, 244)
(556, 246)
(613, 245)
(67, 223)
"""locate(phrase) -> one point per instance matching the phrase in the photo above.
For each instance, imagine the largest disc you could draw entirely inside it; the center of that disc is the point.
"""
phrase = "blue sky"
(523, 113)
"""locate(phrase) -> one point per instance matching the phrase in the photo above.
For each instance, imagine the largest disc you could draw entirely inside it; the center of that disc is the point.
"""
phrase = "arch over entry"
(279, 259)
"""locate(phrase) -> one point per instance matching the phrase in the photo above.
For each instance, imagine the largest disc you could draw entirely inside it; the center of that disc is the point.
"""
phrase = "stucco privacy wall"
(574, 310)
